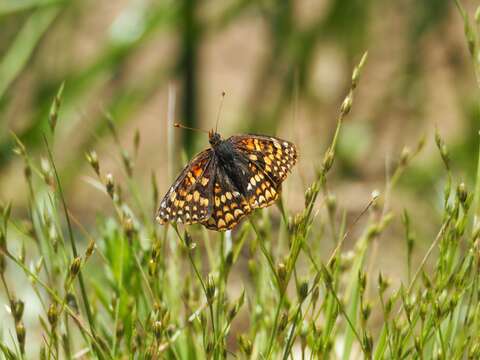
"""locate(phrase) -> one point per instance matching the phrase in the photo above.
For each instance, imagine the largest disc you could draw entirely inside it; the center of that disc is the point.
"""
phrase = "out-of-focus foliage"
(110, 78)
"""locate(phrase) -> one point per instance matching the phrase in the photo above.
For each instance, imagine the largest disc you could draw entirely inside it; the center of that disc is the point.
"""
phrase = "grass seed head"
(282, 274)
(229, 260)
(210, 288)
(462, 193)
(405, 156)
(46, 172)
(303, 290)
(110, 185)
(3, 240)
(21, 334)
(442, 148)
(127, 162)
(119, 330)
(328, 160)
(90, 249)
(136, 141)
(52, 315)
(347, 104)
(362, 282)
(152, 267)
(55, 108)
(92, 159)
(233, 311)
(383, 283)
(157, 328)
(3, 264)
(27, 172)
(366, 310)
(189, 243)
(388, 306)
(315, 294)
(245, 345)
(128, 227)
(282, 324)
(75, 267)
(367, 344)
(209, 349)
(17, 307)
(327, 278)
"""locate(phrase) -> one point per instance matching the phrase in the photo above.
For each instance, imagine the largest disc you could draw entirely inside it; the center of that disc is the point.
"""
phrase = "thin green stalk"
(349, 321)
(281, 289)
(427, 255)
(275, 324)
(221, 290)
(292, 331)
(55, 296)
(339, 303)
(476, 197)
(197, 273)
(266, 253)
(72, 239)
(118, 302)
(442, 342)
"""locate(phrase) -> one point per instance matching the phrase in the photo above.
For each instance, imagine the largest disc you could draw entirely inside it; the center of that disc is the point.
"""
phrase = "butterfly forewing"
(189, 199)
(276, 157)
(270, 161)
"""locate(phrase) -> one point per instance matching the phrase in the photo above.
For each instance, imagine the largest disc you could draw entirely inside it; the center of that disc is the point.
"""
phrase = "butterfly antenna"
(220, 110)
(181, 126)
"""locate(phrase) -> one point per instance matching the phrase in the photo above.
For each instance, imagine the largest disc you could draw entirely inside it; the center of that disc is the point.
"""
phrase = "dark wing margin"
(189, 199)
(229, 205)
(270, 161)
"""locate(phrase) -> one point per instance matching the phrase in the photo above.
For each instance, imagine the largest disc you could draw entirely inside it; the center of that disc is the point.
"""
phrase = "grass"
(136, 289)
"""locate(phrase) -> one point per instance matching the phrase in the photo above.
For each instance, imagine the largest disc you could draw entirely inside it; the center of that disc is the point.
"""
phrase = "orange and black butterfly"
(226, 182)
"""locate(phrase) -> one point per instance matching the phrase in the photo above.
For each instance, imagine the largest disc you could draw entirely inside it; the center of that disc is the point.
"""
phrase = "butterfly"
(223, 184)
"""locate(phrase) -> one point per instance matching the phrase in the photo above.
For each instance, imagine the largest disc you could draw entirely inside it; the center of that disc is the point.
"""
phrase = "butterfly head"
(214, 138)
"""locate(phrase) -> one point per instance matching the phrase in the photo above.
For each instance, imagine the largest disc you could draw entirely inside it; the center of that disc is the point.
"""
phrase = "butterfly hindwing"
(263, 191)
(189, 199)
(229, 205)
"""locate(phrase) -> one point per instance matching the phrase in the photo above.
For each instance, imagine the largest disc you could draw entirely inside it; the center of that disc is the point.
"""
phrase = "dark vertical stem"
(188, 65)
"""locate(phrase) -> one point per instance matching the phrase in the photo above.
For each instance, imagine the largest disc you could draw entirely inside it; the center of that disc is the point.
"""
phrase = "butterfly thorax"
(224, 151)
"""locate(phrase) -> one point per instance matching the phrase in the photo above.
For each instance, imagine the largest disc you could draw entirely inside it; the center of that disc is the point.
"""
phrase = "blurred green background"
(285, 67)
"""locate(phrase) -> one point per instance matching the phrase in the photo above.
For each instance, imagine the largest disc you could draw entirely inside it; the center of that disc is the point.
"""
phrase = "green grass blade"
(21, 50)
(9, 7)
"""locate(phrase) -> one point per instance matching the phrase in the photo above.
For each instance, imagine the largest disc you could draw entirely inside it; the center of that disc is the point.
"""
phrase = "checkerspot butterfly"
(226, 182)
